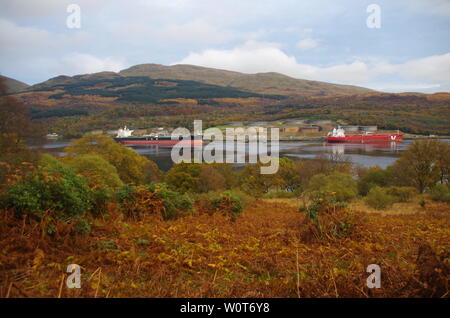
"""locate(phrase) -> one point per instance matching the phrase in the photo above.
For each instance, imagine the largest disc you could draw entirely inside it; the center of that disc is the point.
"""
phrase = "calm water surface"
(367, 155)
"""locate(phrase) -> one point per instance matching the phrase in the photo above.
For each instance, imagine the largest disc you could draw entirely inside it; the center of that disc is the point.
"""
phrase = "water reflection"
(343, 148)
(364, 154)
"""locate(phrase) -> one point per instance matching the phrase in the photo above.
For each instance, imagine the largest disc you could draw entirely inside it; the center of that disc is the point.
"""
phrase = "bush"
(137, 201)
(245, 199)
(374, 177)
(173, 201)
(402, 194)
(157, 199)
(323, 203)
(327, 217)
(53, 192)
(227, 203)
(440, 192)
(281, 194)
(95, 167)
(341, 185)
(131, 167)
(378, 198)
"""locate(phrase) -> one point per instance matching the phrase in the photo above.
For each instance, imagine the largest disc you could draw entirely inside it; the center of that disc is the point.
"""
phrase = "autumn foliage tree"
(15, 116)
(94, 166)
(423, 164)
(15, 126)
(131, 167)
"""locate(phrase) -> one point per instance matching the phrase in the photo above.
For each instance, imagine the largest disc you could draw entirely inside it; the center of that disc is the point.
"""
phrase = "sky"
(324, 40)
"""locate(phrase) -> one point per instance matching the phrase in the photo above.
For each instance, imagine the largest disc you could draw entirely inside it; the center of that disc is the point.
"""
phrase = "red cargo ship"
(338, 135)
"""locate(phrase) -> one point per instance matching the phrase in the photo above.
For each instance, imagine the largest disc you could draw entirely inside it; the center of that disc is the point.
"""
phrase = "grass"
(259, 255)
(405, 208)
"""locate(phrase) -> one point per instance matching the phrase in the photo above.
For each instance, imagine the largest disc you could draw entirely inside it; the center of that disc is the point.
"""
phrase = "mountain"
(263, 83)
(136, 89)
(153, 95)
(13, 85)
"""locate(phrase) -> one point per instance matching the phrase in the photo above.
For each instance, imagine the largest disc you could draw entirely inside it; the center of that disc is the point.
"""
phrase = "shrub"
(379, 199)
(173, 201)
(199, 178)
(319, 225)
(137, 201)
(402, 194)
(53, 192)
(157, 199)
(184, 177)
(131, 167)
(281, 194)
(321, 202)
(440, 192)
(227, 203)
(341, 185)
(94, 166)
(374, 177)
(245, 199)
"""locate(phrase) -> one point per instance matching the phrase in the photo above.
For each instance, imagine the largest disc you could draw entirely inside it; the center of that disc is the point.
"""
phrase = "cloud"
(36, 44)
(19, 41)
(416, 87)
(34, 9)
(254, 57)
(307, 44)
(42, 53)
(429, 73)
(197, 31)
(79, 63)
(435, 7)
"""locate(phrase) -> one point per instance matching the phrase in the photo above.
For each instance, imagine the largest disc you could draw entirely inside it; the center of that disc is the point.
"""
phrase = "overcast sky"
(326, 40)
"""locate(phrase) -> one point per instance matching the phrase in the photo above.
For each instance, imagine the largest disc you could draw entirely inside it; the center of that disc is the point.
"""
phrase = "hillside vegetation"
(208, 230)
(264, 83)
(13, 86)
(151, 95)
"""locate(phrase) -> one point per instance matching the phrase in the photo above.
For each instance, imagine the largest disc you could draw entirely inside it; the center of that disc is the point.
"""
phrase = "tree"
(288, 177)
(184, 177)
(322, 164)
(443, 161)
(379, 198)
(375, 176)
(210, 179)
(341, 185)
(422, 165)
(15, 125)
(131, 167)
(13, 152)
(254, 183)
(15, 116)
(94, 166)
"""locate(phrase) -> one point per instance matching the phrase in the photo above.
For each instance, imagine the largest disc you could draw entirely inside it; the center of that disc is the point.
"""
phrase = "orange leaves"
(144, 202)
(259, 255)
(37, 260)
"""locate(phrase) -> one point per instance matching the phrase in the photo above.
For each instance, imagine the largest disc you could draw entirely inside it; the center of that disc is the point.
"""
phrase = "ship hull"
(367, 138)
(168, 142)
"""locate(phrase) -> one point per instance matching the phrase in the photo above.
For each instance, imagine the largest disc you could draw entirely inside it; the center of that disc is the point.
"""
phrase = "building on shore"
(319, 122)
(350, 128)
(257, 123)
(310, 129)
(112, 132)
(294, 122)
(289, 129)
(368, 128)
(96, 132)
